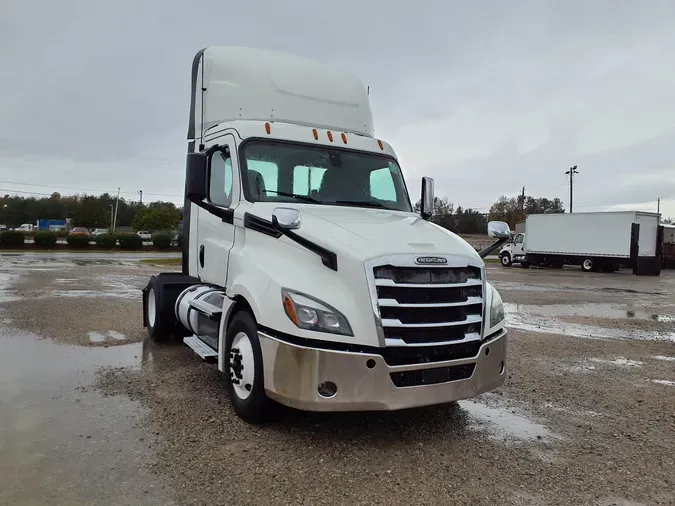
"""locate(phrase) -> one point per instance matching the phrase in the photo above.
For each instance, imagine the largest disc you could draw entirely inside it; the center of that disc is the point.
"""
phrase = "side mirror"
(427, 206)
(286, 218)
(196, 176)
(499, 230)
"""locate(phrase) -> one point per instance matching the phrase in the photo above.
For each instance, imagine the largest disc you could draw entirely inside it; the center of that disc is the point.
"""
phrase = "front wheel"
(244, 370)
(505, 259)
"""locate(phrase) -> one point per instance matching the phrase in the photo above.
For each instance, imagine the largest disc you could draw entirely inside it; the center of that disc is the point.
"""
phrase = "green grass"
(161, 261)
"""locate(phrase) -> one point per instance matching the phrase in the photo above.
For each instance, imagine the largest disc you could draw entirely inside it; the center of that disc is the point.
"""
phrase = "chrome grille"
(421, 305)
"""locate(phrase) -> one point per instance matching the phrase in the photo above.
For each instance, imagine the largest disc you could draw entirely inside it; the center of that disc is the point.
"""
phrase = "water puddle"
(546, 319)
(111, 335)
(6, 281)
(664, 358)
(618, 362)
(63, 442)
(664, 382)
(521, 287)
(505, 424)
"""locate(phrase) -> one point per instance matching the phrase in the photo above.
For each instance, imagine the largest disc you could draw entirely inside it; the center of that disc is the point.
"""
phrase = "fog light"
(327, 389)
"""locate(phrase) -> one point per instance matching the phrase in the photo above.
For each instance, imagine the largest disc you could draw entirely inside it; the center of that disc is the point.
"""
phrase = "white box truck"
(600, 241)
(307, 277)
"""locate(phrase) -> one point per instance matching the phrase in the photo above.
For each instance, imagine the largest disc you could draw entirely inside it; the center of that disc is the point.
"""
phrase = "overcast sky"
(485, 96)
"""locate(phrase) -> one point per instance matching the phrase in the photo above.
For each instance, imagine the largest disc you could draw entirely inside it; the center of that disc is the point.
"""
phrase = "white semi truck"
(597, 241)
(306, 274)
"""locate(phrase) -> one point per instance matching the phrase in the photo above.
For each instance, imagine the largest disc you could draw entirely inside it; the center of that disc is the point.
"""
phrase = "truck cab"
(307, 276)
(513, 251)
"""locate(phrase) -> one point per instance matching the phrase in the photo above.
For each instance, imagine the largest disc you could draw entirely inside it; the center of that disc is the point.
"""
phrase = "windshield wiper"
(361, 203)
(304, 198)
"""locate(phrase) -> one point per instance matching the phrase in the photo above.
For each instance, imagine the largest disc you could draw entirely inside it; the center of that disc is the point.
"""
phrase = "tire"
(505, 259)
(160, 325)
(244, 371)
(587, 265)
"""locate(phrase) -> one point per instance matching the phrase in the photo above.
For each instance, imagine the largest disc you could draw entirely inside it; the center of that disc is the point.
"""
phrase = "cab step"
(213, 312)
(201, 348)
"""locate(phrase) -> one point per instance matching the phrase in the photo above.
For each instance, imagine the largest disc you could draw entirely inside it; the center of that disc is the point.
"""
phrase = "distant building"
(52, 225)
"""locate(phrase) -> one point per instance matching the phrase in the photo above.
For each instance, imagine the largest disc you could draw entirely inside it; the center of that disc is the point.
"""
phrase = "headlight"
(496, 308)
(311, 314)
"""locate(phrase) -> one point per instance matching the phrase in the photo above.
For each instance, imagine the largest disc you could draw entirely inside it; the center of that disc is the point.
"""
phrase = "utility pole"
(140, 192)
(658, 205)
(571, 172)
(522, 201)
(111, 218)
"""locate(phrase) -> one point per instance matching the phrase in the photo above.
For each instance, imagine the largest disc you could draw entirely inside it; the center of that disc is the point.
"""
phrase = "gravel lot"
(92, 413)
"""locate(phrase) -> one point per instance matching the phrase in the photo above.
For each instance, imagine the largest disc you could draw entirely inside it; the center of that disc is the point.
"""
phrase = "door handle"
(201, 256)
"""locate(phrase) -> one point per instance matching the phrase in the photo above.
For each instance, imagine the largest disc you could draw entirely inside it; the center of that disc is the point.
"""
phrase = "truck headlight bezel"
(497, 314)
(309, 313)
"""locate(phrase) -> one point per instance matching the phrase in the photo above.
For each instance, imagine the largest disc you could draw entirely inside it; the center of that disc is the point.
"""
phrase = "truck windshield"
(280, 172)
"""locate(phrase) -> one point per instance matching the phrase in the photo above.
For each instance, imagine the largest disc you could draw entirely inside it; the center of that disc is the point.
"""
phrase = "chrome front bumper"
(293, 375)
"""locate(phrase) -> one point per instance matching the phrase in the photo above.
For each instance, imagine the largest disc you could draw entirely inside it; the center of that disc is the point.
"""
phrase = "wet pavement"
(93, 413)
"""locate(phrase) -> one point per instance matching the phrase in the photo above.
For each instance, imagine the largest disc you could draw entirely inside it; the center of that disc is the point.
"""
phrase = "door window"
(220, 179)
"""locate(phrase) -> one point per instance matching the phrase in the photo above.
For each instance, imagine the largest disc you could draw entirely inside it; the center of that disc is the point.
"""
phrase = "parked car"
(80, 231)
(99, 231)
(145, 235)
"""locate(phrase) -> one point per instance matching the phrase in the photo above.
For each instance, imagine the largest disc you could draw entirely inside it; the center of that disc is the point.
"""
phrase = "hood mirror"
(499, 230)
(286, 218)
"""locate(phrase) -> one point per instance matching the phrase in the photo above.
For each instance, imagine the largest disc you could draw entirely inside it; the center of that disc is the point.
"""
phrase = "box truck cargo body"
(602, 241)
(668, 252)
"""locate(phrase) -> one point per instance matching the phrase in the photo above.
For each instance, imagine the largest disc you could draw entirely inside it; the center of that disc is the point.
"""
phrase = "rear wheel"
(244, 371)
(587, 265)
(160, 325)
(505, 259)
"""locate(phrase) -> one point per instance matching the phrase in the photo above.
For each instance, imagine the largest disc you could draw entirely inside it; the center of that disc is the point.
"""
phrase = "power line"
(85, 189)
(29, 193)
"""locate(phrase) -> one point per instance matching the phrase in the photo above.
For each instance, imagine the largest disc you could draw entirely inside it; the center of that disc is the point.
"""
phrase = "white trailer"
(601, 241)
(307, 277)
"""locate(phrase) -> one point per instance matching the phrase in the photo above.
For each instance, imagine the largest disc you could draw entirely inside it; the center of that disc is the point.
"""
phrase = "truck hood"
(369, 233)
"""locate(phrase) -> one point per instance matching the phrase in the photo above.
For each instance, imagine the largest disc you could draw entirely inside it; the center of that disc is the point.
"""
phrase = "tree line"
(97, 211)
(509, 209)
(89, 211)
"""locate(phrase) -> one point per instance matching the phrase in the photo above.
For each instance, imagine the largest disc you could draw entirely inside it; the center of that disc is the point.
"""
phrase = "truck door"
(215, 236)
(519, 242)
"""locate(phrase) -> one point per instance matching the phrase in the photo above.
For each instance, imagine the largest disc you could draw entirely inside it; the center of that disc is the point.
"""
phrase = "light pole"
(111, 219)
(117, 202)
